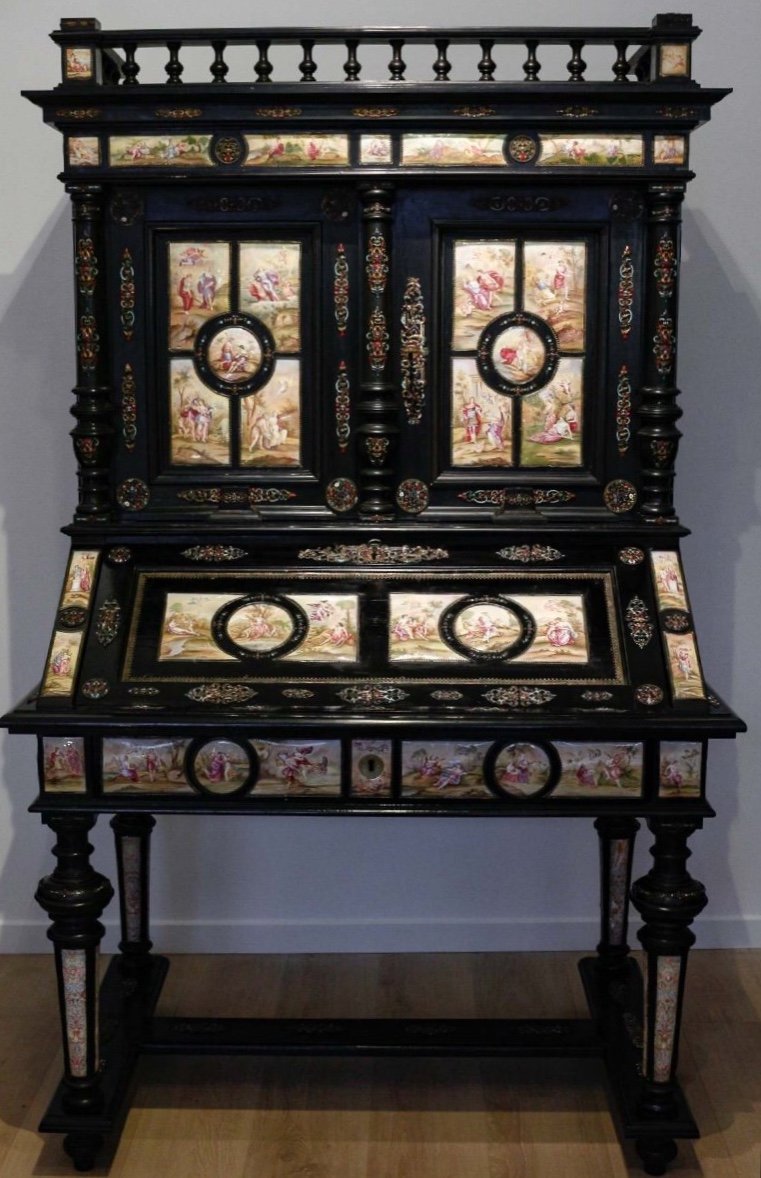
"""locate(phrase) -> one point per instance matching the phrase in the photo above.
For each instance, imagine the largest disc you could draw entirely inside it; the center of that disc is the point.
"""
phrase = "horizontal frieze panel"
(236, 765)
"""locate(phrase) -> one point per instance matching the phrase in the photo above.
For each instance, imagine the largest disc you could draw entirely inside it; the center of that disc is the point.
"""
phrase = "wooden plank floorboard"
(221, 1117)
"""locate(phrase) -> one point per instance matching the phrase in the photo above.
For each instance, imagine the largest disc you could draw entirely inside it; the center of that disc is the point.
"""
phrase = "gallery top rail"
(92, 56)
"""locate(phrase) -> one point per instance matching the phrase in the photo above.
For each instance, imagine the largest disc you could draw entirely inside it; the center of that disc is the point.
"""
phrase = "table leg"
(668, 899)
(74, 897)
(132, 834)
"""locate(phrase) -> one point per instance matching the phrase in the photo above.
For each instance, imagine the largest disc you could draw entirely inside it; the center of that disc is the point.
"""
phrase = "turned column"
(132, 835)
(617, 837)
(74, 897)
(668, 899)
(658, 436)
(94, 432)
(377, 426)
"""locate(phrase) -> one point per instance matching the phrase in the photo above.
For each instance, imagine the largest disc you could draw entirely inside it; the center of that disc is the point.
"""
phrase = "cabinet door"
(512, 295)
(241, 395)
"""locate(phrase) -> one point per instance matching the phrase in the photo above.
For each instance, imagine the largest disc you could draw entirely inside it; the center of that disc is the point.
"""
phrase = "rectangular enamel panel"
(145, 766)
(159, 151)
(307, 768)
(319, 150)
(680, 769)
(443, 769)
(599, 770)
(63, 764)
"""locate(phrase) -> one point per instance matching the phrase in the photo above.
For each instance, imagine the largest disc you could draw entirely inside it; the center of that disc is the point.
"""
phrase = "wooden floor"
(356, 1118)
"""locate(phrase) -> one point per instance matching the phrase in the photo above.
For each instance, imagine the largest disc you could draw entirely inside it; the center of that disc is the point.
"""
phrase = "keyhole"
(371, 766)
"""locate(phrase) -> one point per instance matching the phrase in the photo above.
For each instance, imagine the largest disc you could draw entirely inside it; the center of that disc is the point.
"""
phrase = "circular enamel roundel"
(221, 766)
(517, 353)
(487, 629)
(259, 626)
(234, 354)
(522, 769)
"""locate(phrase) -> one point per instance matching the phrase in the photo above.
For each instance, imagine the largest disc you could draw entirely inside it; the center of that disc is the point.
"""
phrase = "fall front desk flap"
(406, 628)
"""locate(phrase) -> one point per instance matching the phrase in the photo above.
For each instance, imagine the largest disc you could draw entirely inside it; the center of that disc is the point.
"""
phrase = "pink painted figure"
(472, 418)
(560, 633)
(60, 664)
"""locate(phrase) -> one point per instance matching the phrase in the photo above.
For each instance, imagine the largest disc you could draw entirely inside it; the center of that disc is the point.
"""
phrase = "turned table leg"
(132, 833)
(668, 899)
(74, 897)
(617, 837)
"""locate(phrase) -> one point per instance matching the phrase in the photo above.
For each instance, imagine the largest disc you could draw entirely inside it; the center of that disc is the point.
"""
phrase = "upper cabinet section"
(376, 274)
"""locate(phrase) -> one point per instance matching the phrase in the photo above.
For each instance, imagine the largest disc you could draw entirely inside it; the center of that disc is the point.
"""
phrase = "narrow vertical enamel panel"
(270, 427)
(371, 764)
(684, 666)
(482, 419)
(270, 288)
(199, 419)
(199, 288)
(669, 580)
(74, 976)
(551, 419)
(63, 764)
(680, 769)
(555, 287)
(132, 893)
(80, 578)
(63, 660)
(483, 288)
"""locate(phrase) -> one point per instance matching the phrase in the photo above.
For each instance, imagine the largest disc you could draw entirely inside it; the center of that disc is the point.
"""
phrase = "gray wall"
(373, 884)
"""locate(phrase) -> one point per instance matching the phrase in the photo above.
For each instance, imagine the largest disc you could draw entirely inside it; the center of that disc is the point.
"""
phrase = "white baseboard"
(387, 936)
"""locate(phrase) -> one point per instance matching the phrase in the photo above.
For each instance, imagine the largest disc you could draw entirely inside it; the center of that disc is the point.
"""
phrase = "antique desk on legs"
(376, 429)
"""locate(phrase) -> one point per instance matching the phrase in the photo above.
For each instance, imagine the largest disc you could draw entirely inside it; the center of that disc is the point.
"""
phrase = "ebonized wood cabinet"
(376, 430)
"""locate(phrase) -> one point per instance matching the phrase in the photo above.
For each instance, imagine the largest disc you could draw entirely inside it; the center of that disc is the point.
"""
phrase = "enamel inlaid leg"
(74, 897)
(617, 837)
(668, 899)
(132, 833)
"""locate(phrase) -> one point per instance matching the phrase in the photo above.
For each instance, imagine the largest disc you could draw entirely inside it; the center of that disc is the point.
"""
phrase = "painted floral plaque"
(62, 663)
(149, 765)
(522, 770)
(445, 769)
(681, 769)
(592, 151)
(669, 149)
(371, 765)
(199, 419)
(518, 354)
(441, 151)
(551, 419)
(684, 666)
(83, 151)
(554, 287)
(199, 288)
(270, 434)
(669, 580)
(482, 419)
(270, 288)
(222, 767)
(290, 767)
(375, 149)
(599, 770)
(297, 151)
(80, 578)
(483, 287)
(159, 151)
(63, 764)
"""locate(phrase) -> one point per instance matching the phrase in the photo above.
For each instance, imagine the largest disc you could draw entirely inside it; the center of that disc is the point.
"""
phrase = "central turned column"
(377, 430)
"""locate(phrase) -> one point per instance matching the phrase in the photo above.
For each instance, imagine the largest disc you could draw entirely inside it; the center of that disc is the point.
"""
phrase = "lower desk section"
(240, 766)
